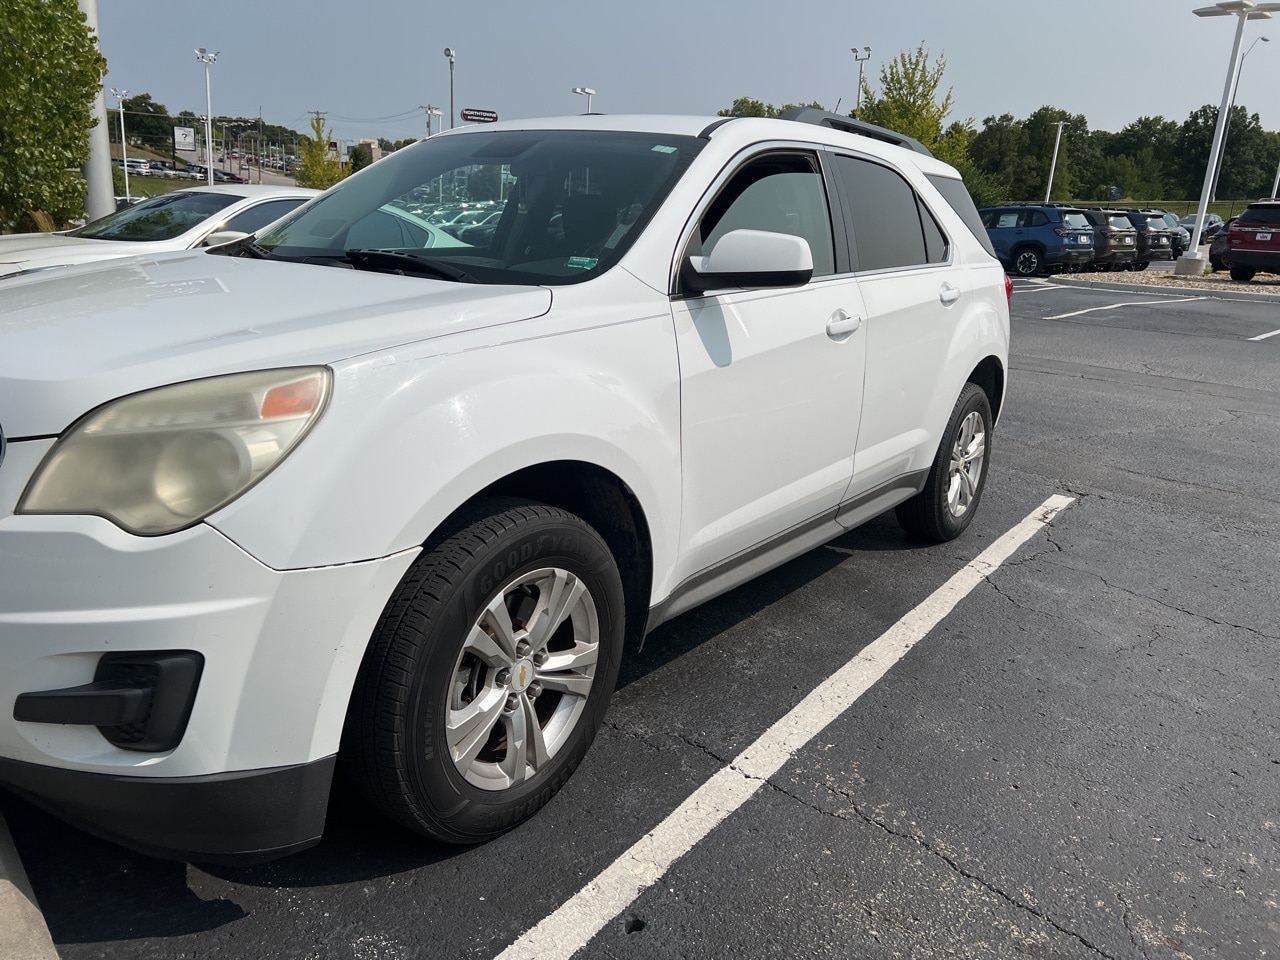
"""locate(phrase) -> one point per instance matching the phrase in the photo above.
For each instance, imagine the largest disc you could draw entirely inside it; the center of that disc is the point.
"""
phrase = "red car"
(1253, 241)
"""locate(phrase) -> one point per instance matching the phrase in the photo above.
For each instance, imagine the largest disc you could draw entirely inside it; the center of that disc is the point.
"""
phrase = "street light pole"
(449, 52)
(124, 151)
(1191, 263)
(1226, 131)
(586, 92)
(1054, 165)
(207, 58)
(861, 58)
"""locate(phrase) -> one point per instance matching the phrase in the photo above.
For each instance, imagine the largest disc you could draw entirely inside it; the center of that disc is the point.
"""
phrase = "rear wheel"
(489, 673)
(1243, 274)
(946, 505)
(1027, 262)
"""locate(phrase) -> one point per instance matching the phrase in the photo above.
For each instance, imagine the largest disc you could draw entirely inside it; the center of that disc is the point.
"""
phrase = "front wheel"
(489, 673)
(946, 505)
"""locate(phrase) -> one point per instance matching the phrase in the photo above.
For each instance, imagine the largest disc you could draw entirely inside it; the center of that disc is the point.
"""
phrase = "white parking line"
(1116, 306)
(571, 926)
(1266, 336)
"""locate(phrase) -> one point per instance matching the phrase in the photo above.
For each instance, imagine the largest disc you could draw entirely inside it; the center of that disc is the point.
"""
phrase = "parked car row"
(1035, 238)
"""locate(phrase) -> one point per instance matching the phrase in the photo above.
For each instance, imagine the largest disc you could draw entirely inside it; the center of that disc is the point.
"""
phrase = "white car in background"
(180, 220)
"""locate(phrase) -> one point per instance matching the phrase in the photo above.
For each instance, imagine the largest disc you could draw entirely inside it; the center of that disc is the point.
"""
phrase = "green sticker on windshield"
(584, 263)
(662, 149)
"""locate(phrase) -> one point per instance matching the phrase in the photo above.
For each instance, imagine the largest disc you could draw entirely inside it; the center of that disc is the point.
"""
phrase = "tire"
(946, 505)
(1141, 265)
(1242, 274)
(1027, 262)
(489, 672)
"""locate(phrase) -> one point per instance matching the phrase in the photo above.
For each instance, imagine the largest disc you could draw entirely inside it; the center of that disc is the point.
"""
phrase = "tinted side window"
(1037, 218)
(780, 194)
(883, 215)
(935, 241)
(255, 218)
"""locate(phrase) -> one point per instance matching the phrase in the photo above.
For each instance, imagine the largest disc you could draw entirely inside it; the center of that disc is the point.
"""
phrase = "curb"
(1248, 296)
(23, 934)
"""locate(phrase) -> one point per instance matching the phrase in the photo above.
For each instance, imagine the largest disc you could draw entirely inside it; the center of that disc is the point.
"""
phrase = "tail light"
(1008, 291)
(1064, 231)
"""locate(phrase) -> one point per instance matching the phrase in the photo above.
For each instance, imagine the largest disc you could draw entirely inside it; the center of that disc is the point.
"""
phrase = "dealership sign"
(471, 115)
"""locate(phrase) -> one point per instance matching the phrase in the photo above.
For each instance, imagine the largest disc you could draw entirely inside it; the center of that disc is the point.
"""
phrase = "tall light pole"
(124, 151)
(1054, 165)
(207, 58)
(100, 196)
(861, 57)
(586, 92)
(449, 52)
(1191, 263)
(1226, 131)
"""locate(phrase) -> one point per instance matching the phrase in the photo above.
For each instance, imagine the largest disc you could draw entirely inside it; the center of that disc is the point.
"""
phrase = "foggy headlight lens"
(162, 460)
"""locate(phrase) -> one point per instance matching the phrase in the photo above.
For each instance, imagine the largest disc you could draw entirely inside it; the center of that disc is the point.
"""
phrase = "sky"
(371, 65)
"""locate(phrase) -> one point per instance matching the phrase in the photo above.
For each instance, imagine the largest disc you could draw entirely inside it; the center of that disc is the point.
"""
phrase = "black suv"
(1115, 241)
(1253, 241)
(1155, 240)
(1039, 238)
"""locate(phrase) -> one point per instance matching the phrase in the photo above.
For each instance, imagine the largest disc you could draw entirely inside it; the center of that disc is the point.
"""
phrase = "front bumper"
(280, 650)
(236, 818)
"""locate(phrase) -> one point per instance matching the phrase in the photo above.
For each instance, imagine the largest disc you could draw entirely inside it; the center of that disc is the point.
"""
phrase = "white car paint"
(731, 418)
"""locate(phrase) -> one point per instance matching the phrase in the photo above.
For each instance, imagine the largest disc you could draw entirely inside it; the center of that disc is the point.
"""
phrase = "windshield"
(1269, 215)
(1074, 219)
(568, 204)
(160, 218)
(1119, 221)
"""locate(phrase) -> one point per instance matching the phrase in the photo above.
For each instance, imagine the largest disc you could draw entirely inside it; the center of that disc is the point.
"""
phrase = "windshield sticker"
(662, 149)
(584, 263)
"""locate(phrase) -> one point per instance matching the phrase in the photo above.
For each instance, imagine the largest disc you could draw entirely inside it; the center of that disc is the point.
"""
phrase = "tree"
(145, 122)
(50, 72)
(746, 107)
(317, 167)
(909, 102)
(361, 156)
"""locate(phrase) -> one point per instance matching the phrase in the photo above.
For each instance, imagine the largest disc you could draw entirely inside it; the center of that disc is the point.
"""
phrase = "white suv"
(360, 492)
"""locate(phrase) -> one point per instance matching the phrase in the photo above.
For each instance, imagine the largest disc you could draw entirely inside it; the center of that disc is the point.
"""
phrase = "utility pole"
(432, 111)
(1054, 165)
(124, 152)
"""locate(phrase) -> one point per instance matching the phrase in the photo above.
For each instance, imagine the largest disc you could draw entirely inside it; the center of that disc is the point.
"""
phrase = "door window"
(779, 194)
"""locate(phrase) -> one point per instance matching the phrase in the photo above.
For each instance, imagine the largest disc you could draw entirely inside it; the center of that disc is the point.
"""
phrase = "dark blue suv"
(1039, 238)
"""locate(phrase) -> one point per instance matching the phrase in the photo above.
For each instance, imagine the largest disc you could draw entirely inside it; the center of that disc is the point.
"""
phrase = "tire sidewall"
(470, 811)
(971, 399)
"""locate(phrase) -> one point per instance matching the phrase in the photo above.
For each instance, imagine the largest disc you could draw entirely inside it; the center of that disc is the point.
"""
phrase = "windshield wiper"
(244, 246)
(405, 263)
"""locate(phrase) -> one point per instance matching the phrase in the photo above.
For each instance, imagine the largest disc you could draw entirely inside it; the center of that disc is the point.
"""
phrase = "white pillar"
(100, 197)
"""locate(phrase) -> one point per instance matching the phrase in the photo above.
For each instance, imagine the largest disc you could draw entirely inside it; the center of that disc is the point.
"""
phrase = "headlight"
(165, 459)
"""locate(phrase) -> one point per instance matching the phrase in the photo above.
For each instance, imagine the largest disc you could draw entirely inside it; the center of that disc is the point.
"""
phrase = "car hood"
(31, 251)
(74, 338)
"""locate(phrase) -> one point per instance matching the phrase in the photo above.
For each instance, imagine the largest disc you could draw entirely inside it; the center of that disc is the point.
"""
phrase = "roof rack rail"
(849, 125)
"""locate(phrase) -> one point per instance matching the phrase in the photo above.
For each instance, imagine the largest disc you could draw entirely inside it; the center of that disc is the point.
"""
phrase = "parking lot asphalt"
(1080, 759)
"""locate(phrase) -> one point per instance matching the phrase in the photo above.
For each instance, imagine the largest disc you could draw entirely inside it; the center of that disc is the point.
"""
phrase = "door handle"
(949, 294)
(842, 325)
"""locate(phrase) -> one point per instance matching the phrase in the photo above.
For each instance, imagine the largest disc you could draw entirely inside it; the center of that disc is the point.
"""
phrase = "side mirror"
(219, 237)
(751, 258)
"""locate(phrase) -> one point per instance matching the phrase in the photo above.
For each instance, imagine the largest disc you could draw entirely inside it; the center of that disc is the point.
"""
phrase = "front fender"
(406, 440)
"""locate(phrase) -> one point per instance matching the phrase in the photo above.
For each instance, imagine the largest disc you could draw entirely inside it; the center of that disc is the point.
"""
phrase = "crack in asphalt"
(949, 861)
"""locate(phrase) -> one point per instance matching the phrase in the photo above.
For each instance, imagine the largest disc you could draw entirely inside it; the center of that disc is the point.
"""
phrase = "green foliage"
(317, 167)
(361, 156)
(746, 107)
(50, 71)
(485, 183)
(910, 101)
